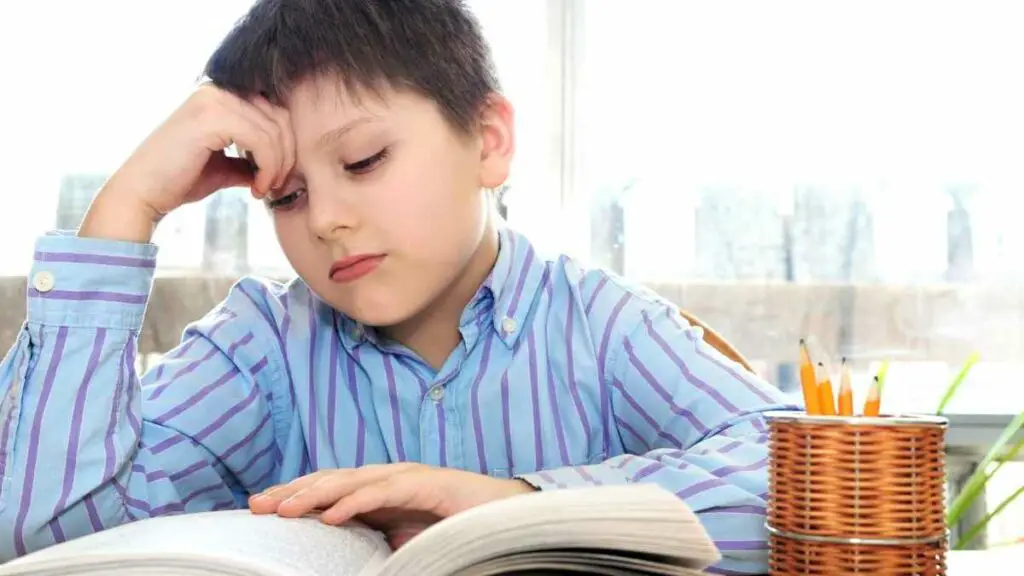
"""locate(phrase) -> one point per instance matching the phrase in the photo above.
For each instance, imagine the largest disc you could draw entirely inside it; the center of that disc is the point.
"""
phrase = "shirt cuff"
(575, 477)
(89, 282)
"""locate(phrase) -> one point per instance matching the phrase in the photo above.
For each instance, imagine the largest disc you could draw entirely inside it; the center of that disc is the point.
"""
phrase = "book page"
(580, 561)
(639, 524)
(234, 539)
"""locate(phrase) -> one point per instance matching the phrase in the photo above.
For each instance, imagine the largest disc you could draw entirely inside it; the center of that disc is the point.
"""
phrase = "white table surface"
(1007, 560)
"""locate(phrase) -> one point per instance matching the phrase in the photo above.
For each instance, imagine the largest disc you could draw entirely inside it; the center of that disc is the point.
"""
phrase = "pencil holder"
(856, 495)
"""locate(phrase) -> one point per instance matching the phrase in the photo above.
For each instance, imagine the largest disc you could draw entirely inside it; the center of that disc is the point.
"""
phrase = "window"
(864, 154)
(850, 171)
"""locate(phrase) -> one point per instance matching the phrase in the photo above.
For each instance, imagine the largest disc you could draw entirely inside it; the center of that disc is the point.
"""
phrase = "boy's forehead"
(323, 112)
(327, 95)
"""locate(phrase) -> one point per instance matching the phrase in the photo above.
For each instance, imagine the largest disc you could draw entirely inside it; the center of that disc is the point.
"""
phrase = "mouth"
(354, 267)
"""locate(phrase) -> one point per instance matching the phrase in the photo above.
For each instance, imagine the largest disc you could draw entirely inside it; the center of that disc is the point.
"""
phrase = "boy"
(426, 361)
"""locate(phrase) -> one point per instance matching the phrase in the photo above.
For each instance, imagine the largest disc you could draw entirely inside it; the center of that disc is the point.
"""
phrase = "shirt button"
(43, 281)
(508, 325)
(357, 333)
(436, 393)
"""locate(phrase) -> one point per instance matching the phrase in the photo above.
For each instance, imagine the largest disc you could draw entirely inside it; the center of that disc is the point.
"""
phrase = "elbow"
(744, 546)
(741, 563)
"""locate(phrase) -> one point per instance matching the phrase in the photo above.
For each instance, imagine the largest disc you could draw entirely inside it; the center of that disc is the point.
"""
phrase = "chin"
(376, 317)
(378, 309)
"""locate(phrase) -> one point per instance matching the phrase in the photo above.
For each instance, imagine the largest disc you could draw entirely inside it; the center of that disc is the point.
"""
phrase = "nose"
(330, 213)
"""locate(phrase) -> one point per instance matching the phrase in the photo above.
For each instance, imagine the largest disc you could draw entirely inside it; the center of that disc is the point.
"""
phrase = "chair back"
(718, 342)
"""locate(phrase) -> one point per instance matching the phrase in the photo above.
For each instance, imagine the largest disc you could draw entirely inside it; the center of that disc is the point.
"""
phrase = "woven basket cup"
(857, 495)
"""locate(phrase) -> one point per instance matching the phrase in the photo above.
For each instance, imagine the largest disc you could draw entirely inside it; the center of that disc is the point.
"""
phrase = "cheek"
(292, 231)
(437, 215)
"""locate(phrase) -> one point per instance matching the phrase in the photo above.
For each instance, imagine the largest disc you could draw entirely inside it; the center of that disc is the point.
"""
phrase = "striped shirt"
(564, 377)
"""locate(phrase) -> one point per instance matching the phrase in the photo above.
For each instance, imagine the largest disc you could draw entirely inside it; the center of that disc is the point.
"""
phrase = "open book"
(611, 530)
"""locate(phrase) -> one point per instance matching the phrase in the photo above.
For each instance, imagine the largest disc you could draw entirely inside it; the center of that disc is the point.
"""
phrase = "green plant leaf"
(955, 385)
(977, 528)
(1011, 454)
(976, 483)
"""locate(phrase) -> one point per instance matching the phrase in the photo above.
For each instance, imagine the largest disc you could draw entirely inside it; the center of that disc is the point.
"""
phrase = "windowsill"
(944, 323)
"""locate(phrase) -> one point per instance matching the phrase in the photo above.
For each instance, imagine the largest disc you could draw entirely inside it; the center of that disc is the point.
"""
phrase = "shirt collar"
(504, 300)
(513, 284)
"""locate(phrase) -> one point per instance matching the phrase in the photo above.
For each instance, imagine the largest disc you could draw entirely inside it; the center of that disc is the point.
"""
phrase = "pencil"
(845, 391)
(807, 381)
(825, 396)
(873, 404)
(874, 401)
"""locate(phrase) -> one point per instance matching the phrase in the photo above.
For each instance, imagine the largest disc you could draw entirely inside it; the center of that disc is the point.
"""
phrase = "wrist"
(114, 215)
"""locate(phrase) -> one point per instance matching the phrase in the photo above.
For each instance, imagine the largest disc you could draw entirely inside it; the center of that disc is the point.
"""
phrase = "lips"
(354, 267)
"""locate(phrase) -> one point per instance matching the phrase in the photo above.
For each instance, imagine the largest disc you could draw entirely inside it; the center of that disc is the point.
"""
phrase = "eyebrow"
(332, 136)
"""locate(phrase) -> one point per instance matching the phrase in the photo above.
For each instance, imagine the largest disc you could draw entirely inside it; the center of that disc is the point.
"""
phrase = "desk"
(982, 562)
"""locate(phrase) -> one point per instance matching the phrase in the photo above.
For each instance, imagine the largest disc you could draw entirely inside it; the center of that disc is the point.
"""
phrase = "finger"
(334, 487)
(281, 117)
(252, 168)
(412, 492)
(270, 119)
(254, 132)
(315, 496)
(269, 500)
(282, 491)
(260, 154)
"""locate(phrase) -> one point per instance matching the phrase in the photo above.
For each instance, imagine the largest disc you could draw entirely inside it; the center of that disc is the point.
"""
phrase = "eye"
(287, 201)
(368, 164)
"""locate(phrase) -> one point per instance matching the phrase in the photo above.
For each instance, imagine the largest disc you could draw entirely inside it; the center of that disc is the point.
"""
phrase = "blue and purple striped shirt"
(564, 377)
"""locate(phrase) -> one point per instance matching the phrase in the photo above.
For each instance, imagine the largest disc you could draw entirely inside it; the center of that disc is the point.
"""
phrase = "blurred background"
(852, 171)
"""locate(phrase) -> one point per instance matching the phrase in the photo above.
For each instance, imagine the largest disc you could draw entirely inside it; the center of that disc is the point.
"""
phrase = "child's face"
(386, 178)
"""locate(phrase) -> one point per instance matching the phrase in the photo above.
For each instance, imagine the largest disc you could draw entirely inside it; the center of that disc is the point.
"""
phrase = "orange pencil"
(825, 396)
(845, 391)
(873, 404)
(807, 381)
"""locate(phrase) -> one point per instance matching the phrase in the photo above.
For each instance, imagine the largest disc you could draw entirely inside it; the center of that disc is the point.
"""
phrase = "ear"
(497, 139)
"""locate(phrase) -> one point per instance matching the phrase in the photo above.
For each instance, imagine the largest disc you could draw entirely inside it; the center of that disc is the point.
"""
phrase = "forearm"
(68, 385)
(85, 445)
(118, 214)
(692, 421)
(723, 479)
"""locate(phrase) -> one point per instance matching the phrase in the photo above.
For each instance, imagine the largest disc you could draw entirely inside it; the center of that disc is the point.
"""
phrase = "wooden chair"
(718, 342)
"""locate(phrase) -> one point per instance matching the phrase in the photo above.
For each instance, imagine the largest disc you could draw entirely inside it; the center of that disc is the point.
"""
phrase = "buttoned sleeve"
(85, 442)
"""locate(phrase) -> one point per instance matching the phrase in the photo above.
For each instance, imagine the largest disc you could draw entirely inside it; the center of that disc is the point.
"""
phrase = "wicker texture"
(876, 491)
(791, 557)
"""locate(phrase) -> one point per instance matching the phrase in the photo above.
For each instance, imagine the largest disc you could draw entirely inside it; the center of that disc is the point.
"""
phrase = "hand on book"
(401, 500)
